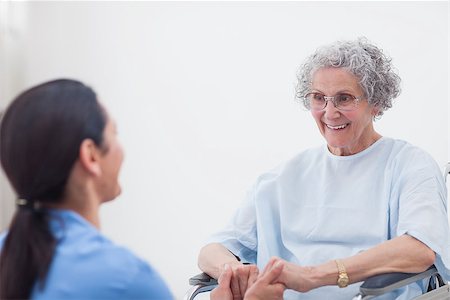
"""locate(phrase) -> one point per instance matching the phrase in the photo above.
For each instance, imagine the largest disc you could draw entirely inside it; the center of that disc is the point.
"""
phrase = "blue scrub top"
(87, 265)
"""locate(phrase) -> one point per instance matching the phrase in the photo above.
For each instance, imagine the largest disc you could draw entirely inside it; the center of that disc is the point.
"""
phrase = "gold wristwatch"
(342, 280)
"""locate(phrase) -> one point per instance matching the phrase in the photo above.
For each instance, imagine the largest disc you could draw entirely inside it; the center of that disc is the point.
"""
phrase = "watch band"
(343, 279)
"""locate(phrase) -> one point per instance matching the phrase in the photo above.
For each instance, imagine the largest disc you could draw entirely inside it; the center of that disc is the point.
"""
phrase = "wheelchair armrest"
(383, 283)
(202, 279)
(200, 283)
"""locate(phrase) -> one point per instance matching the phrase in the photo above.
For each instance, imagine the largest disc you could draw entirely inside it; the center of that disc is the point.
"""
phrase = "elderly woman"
(361, 205)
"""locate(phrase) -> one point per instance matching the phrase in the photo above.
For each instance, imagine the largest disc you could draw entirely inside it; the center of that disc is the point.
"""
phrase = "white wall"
(12, 22)
(203, 95)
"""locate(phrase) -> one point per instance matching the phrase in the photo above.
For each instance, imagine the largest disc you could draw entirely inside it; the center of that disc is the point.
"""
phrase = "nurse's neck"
(83, 201)
(82, 194)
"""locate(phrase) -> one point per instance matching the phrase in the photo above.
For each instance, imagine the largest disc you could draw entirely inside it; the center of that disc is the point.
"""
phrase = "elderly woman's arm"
(212, 260)
(213, 257)
(402, 254)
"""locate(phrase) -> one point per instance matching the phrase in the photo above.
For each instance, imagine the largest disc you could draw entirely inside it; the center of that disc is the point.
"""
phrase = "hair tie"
(27, 204)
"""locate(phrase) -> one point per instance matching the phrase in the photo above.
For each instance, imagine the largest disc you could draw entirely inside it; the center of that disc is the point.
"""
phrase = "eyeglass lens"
(318, 101)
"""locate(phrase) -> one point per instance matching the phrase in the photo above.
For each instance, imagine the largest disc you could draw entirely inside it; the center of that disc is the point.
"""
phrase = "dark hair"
(40, 137)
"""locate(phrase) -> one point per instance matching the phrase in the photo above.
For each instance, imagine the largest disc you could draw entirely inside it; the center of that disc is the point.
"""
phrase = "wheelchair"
(437, 288)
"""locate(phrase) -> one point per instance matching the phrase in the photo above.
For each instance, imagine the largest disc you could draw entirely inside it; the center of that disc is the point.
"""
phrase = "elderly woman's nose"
(331, 111)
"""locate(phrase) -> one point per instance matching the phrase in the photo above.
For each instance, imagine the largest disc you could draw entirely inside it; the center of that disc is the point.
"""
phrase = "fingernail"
(278, 264)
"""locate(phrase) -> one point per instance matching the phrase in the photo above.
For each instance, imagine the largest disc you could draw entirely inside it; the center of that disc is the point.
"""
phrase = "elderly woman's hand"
(223, 291)
(295, 277)
(262, 287)
(234, 281)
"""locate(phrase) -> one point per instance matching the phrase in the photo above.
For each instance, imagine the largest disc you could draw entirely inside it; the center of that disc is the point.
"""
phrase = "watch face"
(342, 281)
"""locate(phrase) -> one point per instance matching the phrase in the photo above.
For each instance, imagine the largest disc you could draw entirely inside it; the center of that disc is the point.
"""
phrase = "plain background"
(203, 94)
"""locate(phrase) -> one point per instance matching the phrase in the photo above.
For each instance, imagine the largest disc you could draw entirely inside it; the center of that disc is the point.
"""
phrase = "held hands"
(243, 282)
(267, 286)
(298, 278)
(234, 281)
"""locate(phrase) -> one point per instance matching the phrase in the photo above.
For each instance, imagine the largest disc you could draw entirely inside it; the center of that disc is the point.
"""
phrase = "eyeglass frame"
(332, 99)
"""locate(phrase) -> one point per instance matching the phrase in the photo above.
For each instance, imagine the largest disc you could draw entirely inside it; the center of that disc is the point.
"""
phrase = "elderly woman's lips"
(337, 126)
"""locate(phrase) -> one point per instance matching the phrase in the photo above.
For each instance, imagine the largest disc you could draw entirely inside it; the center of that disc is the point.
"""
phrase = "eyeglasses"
(343, 101)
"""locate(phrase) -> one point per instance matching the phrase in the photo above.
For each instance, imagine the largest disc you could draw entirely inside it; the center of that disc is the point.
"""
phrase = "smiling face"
(346, 132)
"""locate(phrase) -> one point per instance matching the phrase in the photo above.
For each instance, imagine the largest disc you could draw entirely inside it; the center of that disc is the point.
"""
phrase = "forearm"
(213, 257)
(401, 254)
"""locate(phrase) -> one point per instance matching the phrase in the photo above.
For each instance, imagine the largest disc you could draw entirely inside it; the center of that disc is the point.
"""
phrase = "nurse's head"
(55, 139)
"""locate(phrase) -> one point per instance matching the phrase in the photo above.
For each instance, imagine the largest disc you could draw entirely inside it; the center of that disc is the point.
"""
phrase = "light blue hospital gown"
(87, 265)
(319, 207)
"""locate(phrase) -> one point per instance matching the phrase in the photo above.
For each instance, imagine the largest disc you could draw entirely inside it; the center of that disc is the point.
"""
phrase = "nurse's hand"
(267, 286)
(223, 290)
(234, 281)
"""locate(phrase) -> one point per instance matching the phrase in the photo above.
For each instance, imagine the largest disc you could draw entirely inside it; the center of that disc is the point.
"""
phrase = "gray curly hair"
(377, 78)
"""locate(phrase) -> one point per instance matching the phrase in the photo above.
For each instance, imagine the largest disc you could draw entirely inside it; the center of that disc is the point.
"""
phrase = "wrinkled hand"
(267, 287)
(223, 290)
(234, 281)
(262, 287)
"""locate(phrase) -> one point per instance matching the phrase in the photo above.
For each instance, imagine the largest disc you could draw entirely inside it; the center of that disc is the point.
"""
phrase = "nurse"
(60, 152)
(360, 205)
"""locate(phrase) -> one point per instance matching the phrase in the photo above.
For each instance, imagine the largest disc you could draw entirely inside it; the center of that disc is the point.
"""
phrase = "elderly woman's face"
(346, 132)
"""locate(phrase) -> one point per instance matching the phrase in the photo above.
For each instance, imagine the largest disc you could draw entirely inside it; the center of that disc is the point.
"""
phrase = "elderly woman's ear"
(375, 111)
